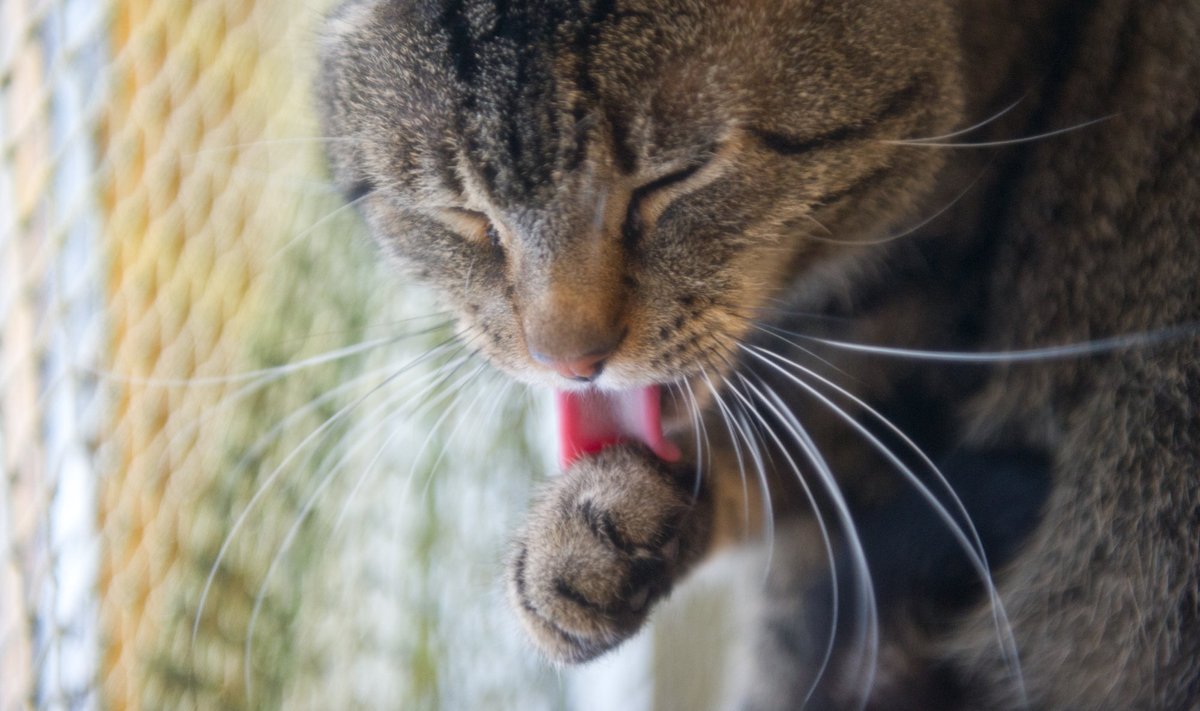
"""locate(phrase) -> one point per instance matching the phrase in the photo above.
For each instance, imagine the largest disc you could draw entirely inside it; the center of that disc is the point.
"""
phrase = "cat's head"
(617, 189)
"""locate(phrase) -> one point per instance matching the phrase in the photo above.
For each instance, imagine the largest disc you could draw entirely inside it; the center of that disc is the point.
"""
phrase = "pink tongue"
(591, 420)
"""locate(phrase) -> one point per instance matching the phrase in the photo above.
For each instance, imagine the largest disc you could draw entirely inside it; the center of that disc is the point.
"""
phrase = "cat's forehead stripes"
(530, 94)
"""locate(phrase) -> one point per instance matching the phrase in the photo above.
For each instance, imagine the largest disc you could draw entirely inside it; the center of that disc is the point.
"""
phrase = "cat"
(795, 270)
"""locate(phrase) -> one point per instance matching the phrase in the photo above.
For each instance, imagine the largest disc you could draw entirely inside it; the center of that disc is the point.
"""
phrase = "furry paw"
(603, 543)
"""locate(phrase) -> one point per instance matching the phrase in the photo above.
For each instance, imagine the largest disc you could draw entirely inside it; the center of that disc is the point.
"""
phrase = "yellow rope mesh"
(197, 208)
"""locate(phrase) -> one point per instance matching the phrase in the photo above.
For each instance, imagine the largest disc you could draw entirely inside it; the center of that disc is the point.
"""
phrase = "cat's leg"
(1104, 600)
(603, 542)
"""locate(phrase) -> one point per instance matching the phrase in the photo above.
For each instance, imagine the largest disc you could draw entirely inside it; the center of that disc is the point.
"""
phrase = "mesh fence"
(219, 419)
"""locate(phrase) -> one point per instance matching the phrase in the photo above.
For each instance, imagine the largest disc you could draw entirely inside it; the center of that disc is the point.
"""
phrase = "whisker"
(828, 232)
(881, 419)
(294, 529)
(377, 422)
(907, 231)
(868, 613)
(727, 416)
(1000, 143)
(279, 370)
(972, 546)
(275, 473)
(349, 205)
(270, 143)
(1070, 350)
(437, 426)
(783, 306)
(386, 327)
(969, 129)
(825, 538)
(370, 423)
(260, 444)
(976, 545)
(781, 334)
(245, 175)
(270, 375)
(768, 508)
(701, 430)
(289, 537)
(497, 399)
(436, 386)
(679, 403)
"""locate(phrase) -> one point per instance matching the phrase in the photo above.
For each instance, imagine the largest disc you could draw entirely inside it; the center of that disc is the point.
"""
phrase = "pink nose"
(585, 367)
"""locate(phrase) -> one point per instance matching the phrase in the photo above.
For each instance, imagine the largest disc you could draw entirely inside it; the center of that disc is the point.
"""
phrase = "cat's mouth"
(592, 419)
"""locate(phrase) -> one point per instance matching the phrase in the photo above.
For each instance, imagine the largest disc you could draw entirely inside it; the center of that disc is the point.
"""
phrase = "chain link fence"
(220, 419)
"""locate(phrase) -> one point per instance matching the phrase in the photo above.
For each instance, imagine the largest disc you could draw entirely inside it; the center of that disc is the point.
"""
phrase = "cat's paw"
(603, 543)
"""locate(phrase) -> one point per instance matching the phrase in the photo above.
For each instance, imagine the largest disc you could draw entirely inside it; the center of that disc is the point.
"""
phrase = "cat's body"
(627, 191)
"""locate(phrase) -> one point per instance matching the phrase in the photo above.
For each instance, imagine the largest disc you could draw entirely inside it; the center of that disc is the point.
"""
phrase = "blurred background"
(241, 466)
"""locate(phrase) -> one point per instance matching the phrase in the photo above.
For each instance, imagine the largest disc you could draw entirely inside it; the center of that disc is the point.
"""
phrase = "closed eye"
(473, 224)
(632, 228)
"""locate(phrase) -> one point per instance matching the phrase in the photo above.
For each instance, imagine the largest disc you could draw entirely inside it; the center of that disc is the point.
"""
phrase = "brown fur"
(501, 156)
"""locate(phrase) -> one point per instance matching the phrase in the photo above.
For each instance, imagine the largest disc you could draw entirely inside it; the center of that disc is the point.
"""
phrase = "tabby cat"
(796, 270)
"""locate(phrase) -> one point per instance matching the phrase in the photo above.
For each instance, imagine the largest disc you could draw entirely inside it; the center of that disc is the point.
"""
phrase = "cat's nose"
(571, 306)
(577, 359)
(585, 367)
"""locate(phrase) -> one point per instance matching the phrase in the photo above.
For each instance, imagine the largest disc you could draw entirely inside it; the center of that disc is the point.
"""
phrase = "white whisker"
(907, 231)
(826, 538)
(302, 516)
(781, 335)
(701, 429)
(436, 385)
(274, 372)
(270, 143)
(727, 416)
(186, 429)
(1070, 350)
(260, 444)
(868, 613)
(387, 327)
(348, 206)
(1000, 143)
(468, 413)
(275, 473)
(971, 546)
(969, 129)
(760, 466)
(437, 425)
(976, 545)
